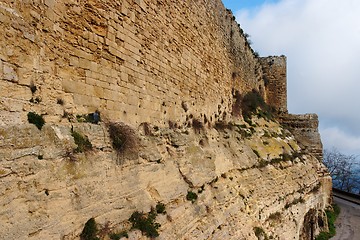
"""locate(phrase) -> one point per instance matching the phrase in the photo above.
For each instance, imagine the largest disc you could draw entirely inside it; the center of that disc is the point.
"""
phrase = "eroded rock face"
(246, 179)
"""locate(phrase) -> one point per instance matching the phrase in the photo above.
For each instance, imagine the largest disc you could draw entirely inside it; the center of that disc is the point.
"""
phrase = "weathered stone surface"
(132, 60)
(52, 196)
(156, 63)
(305, 129)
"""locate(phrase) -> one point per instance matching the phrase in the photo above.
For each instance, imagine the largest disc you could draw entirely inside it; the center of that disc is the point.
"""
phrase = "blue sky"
(236, 5)
(321, 41)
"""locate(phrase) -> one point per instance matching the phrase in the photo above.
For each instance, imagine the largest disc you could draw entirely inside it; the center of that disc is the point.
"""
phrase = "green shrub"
(160, 208)
(331, 215)
(117, 236)
(36, 119)
(145, 223)
(91, 117)
(191, 196)
(260, 233)
(90, 230)
(83, 143)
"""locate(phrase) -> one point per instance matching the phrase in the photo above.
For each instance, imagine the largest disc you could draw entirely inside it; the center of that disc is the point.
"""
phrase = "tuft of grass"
(160, 208)
(82, 142)
(191, 196)
(123, 138)
(36, 119)
(90, 230)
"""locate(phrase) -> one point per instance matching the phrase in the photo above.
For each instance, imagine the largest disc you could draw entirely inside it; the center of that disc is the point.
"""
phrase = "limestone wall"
(138, 61)
(274, 75)
(164, 63)
(305, 128)
(246, 178)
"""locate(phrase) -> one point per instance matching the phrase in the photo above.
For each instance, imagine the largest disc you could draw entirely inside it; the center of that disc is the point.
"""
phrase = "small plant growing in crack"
(191, 196)
(82, 142)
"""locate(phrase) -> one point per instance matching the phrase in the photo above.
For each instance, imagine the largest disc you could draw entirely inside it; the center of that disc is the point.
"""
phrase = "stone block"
(74, 61)
(84, 63)
(50, 3)
(10, 118)
(9, 72)
(1, 70)
(86, 100)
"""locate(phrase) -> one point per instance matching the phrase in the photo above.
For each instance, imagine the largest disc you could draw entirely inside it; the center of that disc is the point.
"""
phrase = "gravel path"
(348, 222)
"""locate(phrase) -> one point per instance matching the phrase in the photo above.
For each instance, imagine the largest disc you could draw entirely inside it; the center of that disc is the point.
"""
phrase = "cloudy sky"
(321, 39)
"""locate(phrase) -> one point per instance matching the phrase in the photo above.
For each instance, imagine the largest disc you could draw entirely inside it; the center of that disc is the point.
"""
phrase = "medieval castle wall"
(135, 61)
(158, 62)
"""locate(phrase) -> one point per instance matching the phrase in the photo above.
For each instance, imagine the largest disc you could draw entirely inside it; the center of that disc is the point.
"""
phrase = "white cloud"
(334, 137)
(321, 39)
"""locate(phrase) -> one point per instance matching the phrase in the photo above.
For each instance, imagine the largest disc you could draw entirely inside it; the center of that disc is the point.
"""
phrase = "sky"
(321, 39)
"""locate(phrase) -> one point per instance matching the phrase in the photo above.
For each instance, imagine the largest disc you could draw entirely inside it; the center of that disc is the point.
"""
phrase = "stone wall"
(305, 129)
(164, 63)
(134, 61)
(274, 75)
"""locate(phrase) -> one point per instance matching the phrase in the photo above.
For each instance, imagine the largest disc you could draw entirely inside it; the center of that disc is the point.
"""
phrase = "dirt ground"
(348, 222)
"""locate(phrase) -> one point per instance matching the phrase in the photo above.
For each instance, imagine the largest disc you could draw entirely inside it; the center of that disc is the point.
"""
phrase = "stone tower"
(274, 74)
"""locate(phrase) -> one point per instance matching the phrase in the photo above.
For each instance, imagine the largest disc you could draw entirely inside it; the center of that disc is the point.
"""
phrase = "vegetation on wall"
(123, 138)
(331, 215)
(260, 233)
(82, 142)
(253, 103)
(250, 104)
(191, 196)
(89, 231)
(90, 118)
(117, 236)
(145, 223)
(36, 119)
